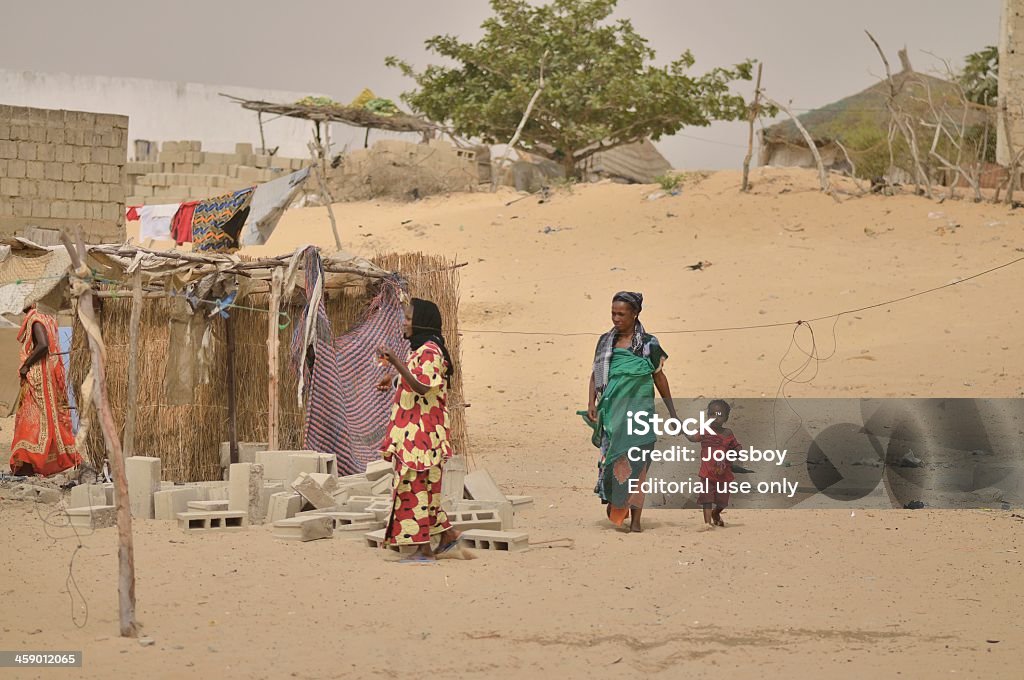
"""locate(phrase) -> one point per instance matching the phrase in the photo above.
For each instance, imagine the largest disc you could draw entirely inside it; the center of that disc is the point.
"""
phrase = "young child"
(712, 471)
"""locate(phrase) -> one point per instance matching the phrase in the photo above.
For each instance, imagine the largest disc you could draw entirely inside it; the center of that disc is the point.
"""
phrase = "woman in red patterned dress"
(417, 438)
(43, 441)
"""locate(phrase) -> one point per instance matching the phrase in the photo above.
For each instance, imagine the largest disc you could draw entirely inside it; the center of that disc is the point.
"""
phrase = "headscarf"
(426, 327)
(638, 345)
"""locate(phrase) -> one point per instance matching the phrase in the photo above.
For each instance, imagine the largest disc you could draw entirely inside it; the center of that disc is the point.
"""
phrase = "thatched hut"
(187, 437)
(860, 123)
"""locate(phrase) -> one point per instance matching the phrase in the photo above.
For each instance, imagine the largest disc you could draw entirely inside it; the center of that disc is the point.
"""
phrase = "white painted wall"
(167, 111)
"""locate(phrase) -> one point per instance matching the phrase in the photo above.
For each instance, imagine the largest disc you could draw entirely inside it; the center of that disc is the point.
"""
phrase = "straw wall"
(187, 438)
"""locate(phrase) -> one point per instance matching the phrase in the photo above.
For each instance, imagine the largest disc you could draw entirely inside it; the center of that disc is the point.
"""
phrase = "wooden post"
(263, 142)
(229, 340)
(755, 111)
(125, 551)
(316, 151)
(133, 364)
(272, 342)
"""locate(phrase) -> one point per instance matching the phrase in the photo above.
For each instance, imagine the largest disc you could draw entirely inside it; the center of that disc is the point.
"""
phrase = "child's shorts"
(713, 497)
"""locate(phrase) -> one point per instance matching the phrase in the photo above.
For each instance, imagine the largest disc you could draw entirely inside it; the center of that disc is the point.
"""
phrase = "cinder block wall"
(62, 168)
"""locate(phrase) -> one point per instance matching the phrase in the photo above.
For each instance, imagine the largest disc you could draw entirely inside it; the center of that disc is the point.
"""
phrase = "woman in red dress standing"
(43, 441)
(417, 437)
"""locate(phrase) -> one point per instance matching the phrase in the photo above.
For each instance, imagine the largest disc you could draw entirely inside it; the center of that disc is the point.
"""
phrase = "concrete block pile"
(300, 495)
(184, 172)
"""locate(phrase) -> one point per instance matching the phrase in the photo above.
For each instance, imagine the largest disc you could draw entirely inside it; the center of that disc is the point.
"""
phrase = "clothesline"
(224, 223)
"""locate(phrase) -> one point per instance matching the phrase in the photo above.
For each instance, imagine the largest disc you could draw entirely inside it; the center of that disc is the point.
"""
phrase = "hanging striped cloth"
(345, 412)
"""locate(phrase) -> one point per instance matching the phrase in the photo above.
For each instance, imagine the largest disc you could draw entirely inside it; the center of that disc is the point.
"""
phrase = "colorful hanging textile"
(217, 222)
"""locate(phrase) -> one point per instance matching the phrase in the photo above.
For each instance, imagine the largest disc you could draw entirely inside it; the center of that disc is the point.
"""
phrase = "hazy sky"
(814, 51)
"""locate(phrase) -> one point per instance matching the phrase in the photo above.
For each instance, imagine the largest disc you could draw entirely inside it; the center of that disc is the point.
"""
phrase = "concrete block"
(382, 487)
(27, 151)
(246, 452)
(357, 503)
(143, 474)
(243, 149)
(169, 502)
(357, 488)
(376, 539)
(302, 462)
(312, 491)
(275, 464)
(369, 525)
(480, 486)
(377, 469)
(87, 495)
(196, 521)
(464, 520)
(304, 528)
(503, 541)
(519, 501)
(35, 170)
(16, 168)
(245, 485)
(98, 517)
(328, 464)
(218, 493)
(381, 508)
(505, 511)
(206, 506)
(269, 489)
(9, 187)
(326, 480)
(283, 506)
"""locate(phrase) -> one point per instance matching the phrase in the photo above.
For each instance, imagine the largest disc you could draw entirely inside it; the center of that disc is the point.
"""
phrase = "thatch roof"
(868, 109)
(357, 117)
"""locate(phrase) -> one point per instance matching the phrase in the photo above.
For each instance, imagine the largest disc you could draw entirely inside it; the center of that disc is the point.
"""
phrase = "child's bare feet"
(716, 517)
(634, 526)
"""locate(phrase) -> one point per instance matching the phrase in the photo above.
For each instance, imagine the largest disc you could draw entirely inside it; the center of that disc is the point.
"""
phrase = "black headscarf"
(426, 326)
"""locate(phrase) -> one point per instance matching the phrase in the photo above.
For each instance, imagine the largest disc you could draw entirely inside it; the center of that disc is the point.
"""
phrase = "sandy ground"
(777, 594)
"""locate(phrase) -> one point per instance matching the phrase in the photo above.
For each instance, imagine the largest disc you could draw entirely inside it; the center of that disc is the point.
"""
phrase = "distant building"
(160, 111)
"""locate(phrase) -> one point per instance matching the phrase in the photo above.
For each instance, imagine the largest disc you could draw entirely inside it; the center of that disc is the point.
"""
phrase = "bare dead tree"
(853, 168)
(826, 186)
(901, 121)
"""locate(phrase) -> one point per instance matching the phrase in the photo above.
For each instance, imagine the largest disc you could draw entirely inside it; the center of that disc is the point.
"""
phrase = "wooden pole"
(325, 194)
(272, 343)
(755, 110)
(133, 364)
(82, 290)
(263, 142)
(229, 340)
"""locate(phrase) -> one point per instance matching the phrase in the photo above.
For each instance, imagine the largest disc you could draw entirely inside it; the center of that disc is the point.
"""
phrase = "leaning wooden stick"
(81, 290)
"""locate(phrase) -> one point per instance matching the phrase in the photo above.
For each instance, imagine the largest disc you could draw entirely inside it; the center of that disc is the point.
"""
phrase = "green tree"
(980, 77)
(600, 89)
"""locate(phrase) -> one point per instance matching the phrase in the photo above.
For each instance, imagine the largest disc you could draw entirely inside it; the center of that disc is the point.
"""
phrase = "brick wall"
(59, 169)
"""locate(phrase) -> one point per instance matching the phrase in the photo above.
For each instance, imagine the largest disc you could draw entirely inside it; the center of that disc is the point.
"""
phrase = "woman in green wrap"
(628, 365)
